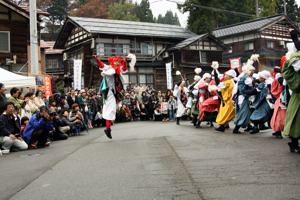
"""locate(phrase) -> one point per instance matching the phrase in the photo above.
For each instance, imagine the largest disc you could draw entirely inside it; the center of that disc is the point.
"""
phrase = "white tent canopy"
(10, 79)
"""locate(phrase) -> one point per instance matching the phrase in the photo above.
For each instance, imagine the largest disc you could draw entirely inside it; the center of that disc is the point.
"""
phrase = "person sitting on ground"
(14, 98)
(38, 100)
(3, 99)
(30, 107)
(144, 113)
(74, 115)
(66, 126)
(157, 114)
(10, 137)
(36, 133)
(59, 132)
(24, 122)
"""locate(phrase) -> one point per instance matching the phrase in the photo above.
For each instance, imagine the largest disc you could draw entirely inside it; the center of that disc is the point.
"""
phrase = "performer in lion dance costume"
(111, 86)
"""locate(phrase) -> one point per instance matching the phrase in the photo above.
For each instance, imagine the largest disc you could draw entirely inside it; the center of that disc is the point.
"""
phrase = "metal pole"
(284, 7)
(34, 54)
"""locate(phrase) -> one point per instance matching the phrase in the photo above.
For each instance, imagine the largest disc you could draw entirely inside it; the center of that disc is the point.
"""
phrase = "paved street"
(155, 161)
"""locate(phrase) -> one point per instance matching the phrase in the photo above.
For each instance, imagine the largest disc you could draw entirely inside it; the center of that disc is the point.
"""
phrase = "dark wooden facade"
(14, 26)
(269, 41)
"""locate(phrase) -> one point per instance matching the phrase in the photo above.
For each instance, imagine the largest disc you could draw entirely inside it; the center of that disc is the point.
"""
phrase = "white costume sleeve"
(108, 70)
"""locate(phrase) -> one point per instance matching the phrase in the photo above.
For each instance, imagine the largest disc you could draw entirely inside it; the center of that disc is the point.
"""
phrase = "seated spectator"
(144, 113)
(67, 126)
(136, 112)
(10, 137)
(171, 107)
(164, 109)
(38, 100)
(74, 115)
(3, 99)
(36, 133)
(14, 98)
(30, 107)
(59, 132)
(157, 114)
(24, 122)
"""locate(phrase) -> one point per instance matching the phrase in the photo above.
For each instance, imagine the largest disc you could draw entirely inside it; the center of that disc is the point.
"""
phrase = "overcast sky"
(162, 6)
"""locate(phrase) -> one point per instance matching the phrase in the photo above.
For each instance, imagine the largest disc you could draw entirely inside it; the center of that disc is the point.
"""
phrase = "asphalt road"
(155, 161)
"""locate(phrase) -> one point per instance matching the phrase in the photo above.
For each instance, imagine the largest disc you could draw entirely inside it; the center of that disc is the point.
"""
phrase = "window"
(249, 46)
(270, 44)
(203, 57)
(142, 78)
(126, 49)
(146, 49)
(108, 49)
(100, 49)
(5, 41)
(133, 79)
(52, 64)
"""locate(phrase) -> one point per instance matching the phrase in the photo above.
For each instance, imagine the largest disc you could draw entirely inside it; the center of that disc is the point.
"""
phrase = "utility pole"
(284, 7)
(34, 54)
(256, 8)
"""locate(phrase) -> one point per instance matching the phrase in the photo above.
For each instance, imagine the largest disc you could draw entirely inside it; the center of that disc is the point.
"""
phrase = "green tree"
(120, 11)
(293, 10)
(268, 7)
(58, 11)
(143, 11)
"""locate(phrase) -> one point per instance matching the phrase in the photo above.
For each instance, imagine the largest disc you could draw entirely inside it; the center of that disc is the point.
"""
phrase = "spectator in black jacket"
(3, 99)
(10, 130)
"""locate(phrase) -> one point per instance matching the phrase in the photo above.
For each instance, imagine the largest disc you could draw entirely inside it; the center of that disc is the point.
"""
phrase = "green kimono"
(292, 121)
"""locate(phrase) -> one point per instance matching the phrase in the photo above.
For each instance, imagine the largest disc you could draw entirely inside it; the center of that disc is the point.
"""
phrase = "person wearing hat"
(227, 111)
(181, 93)
(245, 89)
(292, 77)
(262, 111)
(112, 86)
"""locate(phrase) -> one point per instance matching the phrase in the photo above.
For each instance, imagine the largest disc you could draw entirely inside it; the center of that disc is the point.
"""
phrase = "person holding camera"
(10, 137)
(74, 117)
(36, 133)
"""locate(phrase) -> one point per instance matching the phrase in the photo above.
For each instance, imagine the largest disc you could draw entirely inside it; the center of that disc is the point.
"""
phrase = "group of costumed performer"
(111, 86)
(291, 73)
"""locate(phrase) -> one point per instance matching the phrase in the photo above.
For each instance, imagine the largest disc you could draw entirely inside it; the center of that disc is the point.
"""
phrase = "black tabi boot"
(294, 145)
(277, 135)
(178, 120)
(107, 132)
(249, 128)
(254, 130)
(236, 130)
(221, 128)
(198, 125)
(263, 127)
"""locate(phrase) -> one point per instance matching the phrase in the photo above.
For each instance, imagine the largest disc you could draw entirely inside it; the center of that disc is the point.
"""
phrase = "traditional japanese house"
(83, 37)
(15, 38)
(198, 51)
(264, 36)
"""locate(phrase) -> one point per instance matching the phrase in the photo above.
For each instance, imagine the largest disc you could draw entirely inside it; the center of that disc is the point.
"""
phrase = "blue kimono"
(243, 111)
(262, 112)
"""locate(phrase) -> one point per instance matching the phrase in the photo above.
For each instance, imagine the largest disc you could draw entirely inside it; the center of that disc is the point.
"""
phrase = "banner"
(169, 76)
(77, 74)
(235, 63)
(47, 86)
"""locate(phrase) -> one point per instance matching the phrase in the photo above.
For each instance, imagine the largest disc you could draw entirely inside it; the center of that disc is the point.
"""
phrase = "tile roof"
(49, 48)
(188, 41)
(132, 28)
(246, 26)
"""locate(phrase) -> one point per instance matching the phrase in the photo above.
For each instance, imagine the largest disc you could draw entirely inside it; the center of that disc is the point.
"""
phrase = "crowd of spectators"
(29, 121)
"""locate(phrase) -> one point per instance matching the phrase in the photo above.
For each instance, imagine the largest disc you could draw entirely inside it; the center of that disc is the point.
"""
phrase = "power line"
(211, 8)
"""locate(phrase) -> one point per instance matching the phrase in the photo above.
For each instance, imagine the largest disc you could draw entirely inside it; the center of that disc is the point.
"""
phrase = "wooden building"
(265, 36)
(15, 38)
(198, 51)
(153, 44)
(54, 60)
(83, 37)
